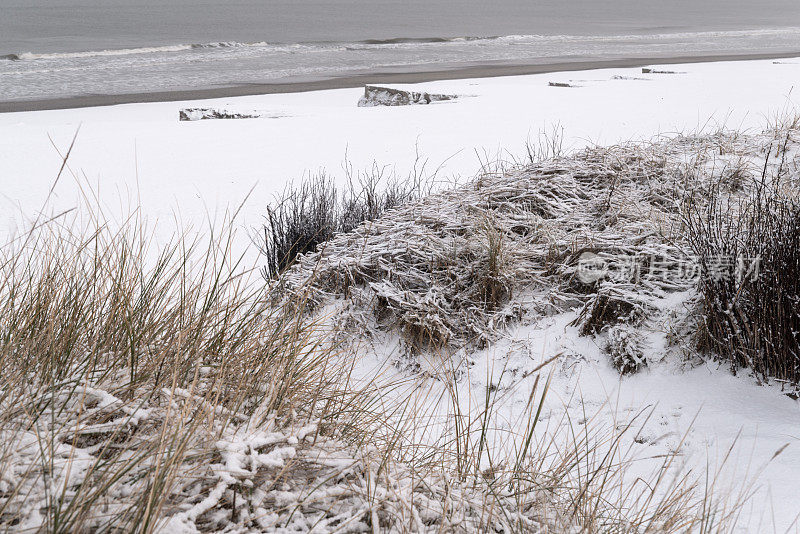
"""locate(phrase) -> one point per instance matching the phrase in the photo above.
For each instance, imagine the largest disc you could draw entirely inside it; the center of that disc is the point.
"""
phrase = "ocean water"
(59, 48)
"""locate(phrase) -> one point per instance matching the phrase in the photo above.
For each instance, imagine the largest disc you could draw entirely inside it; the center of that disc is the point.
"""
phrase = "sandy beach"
(399, 75)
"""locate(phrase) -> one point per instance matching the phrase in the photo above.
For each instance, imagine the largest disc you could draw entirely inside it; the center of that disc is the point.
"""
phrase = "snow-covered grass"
(143, 384)
(484, 276)
(174, 395)
(167, 390)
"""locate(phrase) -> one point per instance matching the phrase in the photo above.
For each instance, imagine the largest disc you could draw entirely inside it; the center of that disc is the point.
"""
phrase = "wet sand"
(401, 75)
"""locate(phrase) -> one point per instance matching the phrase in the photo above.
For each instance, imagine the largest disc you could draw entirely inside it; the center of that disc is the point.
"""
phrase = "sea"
(63, 48)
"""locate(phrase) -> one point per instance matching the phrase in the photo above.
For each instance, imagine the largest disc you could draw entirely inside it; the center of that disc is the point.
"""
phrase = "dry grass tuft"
(123, 365)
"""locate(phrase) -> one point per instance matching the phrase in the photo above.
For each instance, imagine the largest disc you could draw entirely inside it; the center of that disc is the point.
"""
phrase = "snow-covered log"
(386, 96)
(199, 114)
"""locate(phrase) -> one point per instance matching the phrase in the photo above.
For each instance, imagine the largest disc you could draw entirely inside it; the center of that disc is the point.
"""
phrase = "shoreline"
(486, 70)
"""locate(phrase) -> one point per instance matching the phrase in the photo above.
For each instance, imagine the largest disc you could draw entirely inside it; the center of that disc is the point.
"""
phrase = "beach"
(400, 266)
(131, 154)
(142, 149)
(400, 76)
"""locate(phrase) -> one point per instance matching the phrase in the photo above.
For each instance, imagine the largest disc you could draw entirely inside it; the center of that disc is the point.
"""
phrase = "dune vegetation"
(173, 387)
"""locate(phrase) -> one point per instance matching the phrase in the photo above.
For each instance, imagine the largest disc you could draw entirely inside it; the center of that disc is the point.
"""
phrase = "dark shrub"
(749, 255)
(304, 217)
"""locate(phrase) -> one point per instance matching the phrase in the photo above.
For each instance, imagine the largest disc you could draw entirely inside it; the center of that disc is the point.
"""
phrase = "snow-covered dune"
(183, 173)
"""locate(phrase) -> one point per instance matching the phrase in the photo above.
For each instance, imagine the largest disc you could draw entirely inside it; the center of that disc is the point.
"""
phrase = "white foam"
(98, 53)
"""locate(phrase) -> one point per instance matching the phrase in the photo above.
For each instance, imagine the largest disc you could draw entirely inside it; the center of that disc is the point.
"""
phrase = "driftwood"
(386, 96)
(630, 78)
(199, 114)
(647, 70)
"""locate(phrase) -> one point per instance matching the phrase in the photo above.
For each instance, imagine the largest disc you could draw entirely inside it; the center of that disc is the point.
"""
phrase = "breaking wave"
(223, 44)
(406, 42)
(418, 40)
(25, 56)
(30, 56)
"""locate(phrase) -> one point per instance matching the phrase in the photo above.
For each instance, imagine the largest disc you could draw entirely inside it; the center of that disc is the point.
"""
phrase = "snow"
(417, 260)
(141, 154)
(702, 412)
(706, 404)
(185, 173)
